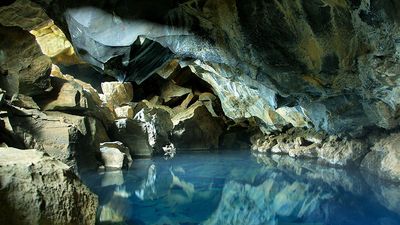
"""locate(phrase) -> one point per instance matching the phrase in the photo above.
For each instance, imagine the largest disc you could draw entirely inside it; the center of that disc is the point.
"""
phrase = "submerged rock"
(384, 159)
(37, 189)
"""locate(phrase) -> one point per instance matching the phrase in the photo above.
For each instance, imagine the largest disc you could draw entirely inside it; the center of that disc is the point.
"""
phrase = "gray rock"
(37, 189)
(384, 159)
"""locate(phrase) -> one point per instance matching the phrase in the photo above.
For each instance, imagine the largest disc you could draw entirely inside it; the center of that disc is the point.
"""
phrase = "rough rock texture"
(384, 159)
(330, 65)
(308, 143)
(72, 139)
(23, 67)
(37, 189)
(117, 93)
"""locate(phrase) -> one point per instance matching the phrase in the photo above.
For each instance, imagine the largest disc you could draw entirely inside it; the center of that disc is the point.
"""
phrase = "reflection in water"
(147, 190)
(240, 188)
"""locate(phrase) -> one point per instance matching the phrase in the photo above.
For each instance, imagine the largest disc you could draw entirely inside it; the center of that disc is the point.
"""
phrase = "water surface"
(241, 188)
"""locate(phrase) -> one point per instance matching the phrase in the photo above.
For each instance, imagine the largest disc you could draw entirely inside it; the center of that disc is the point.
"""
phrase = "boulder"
(117, 93)
(115, 155)
(384, 158)
(196, 128)
(38, 189)
(73, 95)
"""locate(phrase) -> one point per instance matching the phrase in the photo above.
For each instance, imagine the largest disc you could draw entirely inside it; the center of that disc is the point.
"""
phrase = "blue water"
(242, 188)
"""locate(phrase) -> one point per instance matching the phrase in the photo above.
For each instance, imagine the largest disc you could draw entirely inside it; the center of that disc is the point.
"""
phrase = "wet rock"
(115, 155)
(117, 93)
(195, 128)
(384, 158)
(54, 194)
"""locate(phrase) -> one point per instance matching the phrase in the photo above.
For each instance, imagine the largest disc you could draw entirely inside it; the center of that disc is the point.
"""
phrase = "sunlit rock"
(54, 194)
(54, 43)
(117, 93)
(384, 159)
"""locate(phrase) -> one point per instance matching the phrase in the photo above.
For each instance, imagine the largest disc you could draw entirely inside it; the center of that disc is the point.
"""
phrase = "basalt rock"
(38, 189)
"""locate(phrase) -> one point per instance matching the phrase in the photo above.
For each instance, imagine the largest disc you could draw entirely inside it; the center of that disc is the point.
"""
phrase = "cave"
(272, 112)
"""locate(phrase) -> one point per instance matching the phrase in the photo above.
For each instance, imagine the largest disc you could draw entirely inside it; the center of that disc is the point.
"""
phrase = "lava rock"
(115, 155)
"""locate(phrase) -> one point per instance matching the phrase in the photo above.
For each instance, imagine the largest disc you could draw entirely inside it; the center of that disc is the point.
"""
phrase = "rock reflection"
(147, 188)
(243, 189)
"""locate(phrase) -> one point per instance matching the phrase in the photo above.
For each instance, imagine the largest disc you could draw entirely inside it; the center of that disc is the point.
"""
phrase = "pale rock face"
(125, 111)
(112, 158)
(384, 159)
(117, 93)
(37, 189)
